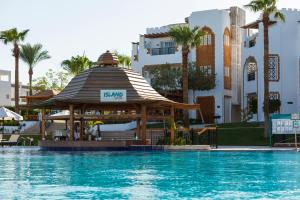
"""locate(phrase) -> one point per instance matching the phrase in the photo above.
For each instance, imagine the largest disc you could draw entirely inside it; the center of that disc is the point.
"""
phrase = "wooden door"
(207, 105)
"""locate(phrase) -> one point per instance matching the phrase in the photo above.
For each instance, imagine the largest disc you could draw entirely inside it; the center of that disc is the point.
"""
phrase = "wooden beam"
(144, 122)
(157, 117)
(172, 136)
(71, 121)
(43, 128)
(98, 117)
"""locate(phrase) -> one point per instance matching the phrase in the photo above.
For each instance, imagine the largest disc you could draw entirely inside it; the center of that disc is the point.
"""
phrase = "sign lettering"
(113, 96)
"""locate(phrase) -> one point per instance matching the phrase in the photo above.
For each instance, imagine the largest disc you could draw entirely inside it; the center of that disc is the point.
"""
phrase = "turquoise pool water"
(32, 174)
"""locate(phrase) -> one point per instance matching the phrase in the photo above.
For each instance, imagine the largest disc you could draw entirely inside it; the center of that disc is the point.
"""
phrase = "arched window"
(251, 69)
(205, 52)
(227, 59)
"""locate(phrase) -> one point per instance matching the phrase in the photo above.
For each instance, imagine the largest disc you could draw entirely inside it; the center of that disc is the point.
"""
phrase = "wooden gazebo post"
(43, 128)
(71, 121)
(144, 123)
(172, 135)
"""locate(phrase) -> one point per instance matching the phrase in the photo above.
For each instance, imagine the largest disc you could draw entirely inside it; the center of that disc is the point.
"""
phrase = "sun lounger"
(1, 138)
(13, 140)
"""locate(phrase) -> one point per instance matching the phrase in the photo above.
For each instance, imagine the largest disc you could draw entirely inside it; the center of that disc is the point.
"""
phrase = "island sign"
(113, 96)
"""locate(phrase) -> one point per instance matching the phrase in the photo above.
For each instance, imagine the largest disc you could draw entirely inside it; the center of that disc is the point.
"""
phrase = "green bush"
(10, 123)
(180, 141)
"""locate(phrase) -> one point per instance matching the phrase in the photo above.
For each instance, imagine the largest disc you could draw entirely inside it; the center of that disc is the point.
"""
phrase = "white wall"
(5, 94)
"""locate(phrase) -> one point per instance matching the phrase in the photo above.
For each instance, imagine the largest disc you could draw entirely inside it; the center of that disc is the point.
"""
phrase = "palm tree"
(32, 54)
(187, 38)
(124, 60)
(14, 37)
(267, 8)
(77, 64)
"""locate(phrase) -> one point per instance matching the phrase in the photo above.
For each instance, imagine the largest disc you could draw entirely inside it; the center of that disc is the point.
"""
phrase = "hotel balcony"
(162, 51)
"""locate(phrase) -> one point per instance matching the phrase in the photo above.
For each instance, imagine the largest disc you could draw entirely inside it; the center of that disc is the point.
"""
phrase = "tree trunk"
(185, 87)
(30, 72)
(16, 55)
(266, 74)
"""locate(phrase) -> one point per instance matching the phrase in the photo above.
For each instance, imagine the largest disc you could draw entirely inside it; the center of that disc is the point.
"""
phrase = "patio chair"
(13, 140)
(1, 138)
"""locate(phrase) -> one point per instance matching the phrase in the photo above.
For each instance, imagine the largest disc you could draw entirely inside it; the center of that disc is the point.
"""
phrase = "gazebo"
(107, 87)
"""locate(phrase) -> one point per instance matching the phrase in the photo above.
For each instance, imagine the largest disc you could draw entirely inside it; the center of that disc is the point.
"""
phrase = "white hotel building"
(284, 64)
(7, 90)
(238, 64)
(219, 54)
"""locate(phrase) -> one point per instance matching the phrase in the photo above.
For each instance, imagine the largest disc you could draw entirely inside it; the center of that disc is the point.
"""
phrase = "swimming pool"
(32, 174)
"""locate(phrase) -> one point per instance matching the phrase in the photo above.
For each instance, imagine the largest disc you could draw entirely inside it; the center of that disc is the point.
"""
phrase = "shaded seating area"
(108, 93)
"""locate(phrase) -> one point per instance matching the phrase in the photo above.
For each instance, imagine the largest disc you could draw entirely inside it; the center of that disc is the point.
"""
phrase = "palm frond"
(76, 64)
(279, 15)
(32, 54)
(185, 36)
(13, 36)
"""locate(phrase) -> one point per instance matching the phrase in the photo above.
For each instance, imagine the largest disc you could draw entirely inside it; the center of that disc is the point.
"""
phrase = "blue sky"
(71, 27)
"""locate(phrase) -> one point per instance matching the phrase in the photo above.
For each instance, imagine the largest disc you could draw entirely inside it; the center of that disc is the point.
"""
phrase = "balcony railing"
(162, 51)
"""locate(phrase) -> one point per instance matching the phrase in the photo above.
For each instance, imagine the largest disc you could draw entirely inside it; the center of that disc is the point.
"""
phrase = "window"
(206, 70)
(226, 40)
(167, 44)
(274, 96)
(4, 78)
(166, 47)
(251, 71)
(274, 102)
(205, 40)
(227, 71)
(252, 102)
(273, 68)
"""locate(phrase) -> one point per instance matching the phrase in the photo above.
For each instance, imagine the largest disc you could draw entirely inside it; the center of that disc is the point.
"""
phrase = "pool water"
(33, 174)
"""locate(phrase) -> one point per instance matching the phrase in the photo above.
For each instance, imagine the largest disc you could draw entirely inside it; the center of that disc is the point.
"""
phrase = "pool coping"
(164, 148)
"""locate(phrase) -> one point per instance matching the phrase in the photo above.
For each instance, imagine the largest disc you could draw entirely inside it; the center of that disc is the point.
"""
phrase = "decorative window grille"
(251, 71)
(273, 67)
(274, 96)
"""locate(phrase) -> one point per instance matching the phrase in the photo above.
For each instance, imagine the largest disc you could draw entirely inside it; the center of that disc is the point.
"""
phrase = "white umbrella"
(6, 114)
